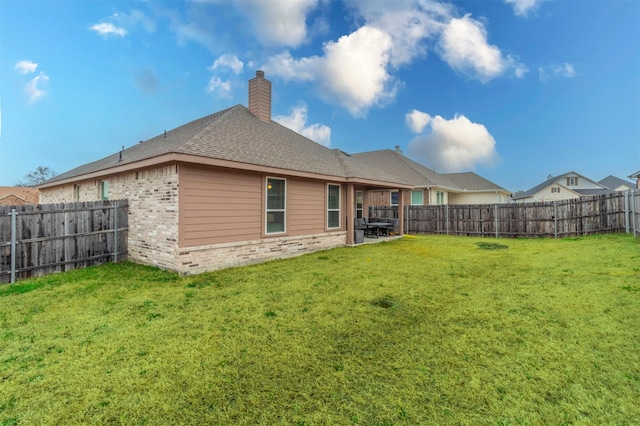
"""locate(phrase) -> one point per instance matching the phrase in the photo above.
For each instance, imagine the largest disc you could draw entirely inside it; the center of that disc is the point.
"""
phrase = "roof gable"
(551, 180)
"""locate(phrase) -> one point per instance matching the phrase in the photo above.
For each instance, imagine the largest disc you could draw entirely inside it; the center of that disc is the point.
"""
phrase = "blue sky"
(513, 90)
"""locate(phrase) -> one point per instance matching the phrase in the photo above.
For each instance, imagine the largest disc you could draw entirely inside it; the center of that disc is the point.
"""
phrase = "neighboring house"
(227, 189)
(636, 176)
(616, 184)
(562, 187)
(475, 189)
(18, 195)
(429, 186)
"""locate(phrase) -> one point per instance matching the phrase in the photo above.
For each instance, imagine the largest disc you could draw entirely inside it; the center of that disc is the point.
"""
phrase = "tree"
(38, 176)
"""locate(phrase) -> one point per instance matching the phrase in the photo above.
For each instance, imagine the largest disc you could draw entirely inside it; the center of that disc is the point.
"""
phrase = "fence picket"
(61, 237)
(558, 219)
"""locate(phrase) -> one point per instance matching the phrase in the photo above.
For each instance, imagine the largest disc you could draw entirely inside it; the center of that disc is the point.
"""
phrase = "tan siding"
(219, 206)
(305, 207)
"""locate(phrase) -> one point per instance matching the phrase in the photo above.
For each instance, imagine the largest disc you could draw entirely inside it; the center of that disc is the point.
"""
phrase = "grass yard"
(423, 330)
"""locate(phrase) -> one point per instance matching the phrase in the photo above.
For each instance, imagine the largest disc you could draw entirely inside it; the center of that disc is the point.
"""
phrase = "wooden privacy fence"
(609, 213)
(41, 239)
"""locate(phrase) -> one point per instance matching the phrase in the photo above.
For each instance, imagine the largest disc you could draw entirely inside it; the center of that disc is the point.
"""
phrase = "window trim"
(440, 198)
(267, 210)
(76, 193)
(391, 197)
(361, 209)
(421, 197)
(103, 190)
(329, 185)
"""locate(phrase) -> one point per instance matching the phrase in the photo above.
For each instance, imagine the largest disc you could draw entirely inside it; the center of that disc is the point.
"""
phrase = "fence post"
(115, 232)
(555, 219)
(446, 209)
(406, 219)
(626, 212)
(495, 209)
(633, 213)
(13, 246)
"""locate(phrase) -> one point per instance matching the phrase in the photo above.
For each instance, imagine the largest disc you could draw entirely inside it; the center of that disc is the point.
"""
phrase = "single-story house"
(616, 184)
(18, 195)
(429, 186)
(636, 176)
(566, 186)
(228, 189)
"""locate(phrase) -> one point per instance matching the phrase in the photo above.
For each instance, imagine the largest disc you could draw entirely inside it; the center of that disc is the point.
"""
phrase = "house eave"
(178, 158)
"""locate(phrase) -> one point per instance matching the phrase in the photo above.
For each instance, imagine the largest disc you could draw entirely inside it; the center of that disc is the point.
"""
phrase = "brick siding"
(153, 210)
(194, 260)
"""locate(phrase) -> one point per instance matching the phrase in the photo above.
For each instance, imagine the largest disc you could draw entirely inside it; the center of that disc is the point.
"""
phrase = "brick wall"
(153, 210)
(194, 260)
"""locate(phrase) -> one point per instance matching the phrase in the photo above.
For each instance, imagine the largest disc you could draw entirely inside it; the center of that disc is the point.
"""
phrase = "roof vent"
(398, 150)
(260, 97)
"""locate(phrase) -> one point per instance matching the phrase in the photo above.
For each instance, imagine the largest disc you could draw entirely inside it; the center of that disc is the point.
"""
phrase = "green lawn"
(427, 330)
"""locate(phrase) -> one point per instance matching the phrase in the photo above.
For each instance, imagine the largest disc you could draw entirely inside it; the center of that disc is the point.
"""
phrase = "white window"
(572, 181)
(417, 197)
(333, 206)
(439, 197)
(555, 190)
(76, 193)
(395, 197)
(276, 206)
(359, 204)
(104, 190)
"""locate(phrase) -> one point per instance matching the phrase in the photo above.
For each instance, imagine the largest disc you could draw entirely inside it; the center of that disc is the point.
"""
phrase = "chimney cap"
(259, 73)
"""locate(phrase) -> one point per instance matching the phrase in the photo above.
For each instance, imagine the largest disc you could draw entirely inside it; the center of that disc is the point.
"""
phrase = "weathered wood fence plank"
(61, 237)
(590, 215)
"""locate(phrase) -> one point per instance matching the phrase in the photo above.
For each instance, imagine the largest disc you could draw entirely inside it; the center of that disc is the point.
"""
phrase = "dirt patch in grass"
(428, 330)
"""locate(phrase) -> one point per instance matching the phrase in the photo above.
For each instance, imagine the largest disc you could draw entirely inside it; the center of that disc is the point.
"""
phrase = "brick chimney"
(260, 97)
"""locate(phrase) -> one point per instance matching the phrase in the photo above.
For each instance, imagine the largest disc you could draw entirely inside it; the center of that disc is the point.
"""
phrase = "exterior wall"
(383, 197)
(478, 198)
(153, 210)
(546, 194)
(433, 199)
(195, 260)
(219, 206)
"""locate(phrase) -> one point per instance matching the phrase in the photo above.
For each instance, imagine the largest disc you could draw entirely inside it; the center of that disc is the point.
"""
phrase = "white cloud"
(359, 70)
(228, 61)
(523, 7)
(279, 22)
(219, 88)
(297, 121)
(33, 90)
(409, 24)
(107, 29)
(25, 67)
(353, 70)
(565, 70)
(453, 145)
(464, 46)
(417, 120)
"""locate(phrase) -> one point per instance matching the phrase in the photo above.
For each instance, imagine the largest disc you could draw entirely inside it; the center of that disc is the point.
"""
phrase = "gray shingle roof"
(473, 182)
(409, 171)
(234, 134)
(613, 182)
